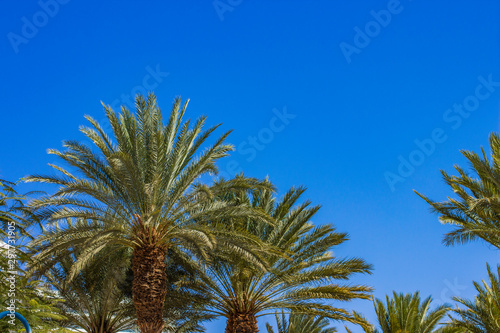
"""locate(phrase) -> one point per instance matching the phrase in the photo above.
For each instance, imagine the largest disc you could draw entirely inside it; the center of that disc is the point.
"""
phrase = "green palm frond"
(300, 323)
(33, 297)
(475, 212)
(15, 218)
(408, 313)
(93, 300)
(482, 314)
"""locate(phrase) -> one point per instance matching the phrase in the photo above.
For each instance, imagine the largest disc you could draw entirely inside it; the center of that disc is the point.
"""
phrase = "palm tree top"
(480, 314)
(475, 210)
(309, 279)
(408, 313)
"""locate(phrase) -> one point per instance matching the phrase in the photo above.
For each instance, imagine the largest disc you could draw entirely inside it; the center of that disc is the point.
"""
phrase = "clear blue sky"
(327, 94)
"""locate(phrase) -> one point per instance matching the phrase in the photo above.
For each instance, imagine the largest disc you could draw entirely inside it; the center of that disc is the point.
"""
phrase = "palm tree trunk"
(242, 323)
(149, 287)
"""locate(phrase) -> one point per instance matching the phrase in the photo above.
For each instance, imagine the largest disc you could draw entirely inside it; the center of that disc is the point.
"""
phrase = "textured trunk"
(242, 323)
(149, 287)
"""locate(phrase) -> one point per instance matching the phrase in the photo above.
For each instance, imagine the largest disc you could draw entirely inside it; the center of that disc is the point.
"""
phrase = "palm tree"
(482, 314)
(300, 323)
(407, 313)
(93, 300)
(476, 211)
(137, 189)
(300, 283)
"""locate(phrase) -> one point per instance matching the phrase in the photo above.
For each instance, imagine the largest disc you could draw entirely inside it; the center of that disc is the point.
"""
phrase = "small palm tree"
(137, 189)
(302, 283)
(407, 313)
(300, 323)
(482, 314)
(476, 211)
(93, 300)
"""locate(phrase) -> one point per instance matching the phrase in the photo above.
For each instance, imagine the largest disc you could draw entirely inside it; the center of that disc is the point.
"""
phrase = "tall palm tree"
(476, 212)
(136, 189)
(300, 323)
(482, 314)
(303, 283)
(407, 313)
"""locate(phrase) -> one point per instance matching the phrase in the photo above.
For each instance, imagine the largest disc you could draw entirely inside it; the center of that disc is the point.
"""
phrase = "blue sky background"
(244, 62)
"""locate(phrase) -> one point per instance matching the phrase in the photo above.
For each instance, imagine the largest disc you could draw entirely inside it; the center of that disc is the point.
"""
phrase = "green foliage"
(482, 314)
(304, 280)
(32, 298)
(12, 212)
(407, 313)
(300, 323)
(93, 300)
(36, 302)
(185, 307)
(476, 211)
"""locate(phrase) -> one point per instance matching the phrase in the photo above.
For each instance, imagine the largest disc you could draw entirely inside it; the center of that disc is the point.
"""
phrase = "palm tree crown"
(300, 323)
(476, 211)
(407, 313)
(303, 282)
(482, 314)
(137, 189)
